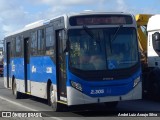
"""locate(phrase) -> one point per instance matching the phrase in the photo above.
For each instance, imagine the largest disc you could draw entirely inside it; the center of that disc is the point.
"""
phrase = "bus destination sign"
(100, 20)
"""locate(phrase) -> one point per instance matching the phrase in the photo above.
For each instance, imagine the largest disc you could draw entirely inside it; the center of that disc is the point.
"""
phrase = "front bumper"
(75, 97)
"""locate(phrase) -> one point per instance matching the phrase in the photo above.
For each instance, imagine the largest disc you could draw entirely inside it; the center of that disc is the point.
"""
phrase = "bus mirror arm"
(65, 42)
(66, 46)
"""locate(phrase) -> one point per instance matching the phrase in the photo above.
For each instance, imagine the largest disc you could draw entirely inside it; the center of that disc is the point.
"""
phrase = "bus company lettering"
(33, 69)
(13, 66)
(49, 70)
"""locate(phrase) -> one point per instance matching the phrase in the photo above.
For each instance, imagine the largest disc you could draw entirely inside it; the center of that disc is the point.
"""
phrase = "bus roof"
(92, 13)
(47, 21)
(32, 26)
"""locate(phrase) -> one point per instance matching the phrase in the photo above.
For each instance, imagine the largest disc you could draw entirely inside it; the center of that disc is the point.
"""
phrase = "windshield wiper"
(93, 36)
(88, 32)
(114, 37)
(115, 34)
(98, 40)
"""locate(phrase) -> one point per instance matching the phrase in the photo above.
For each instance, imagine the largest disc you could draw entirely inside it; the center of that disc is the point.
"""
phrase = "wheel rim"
(14, 90)
(52, 97)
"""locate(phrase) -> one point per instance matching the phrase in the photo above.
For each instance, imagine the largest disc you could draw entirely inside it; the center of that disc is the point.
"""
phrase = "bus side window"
(41, 42)
(34, 43)
(50, 41)
(18, 46)
(13, 47)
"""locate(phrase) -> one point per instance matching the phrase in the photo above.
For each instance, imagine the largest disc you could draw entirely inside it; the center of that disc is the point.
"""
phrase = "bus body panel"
(76, 97)
(41, 69)
(105, 87)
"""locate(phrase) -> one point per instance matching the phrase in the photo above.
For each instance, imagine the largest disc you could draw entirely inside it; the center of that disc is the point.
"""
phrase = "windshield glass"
(102, 50)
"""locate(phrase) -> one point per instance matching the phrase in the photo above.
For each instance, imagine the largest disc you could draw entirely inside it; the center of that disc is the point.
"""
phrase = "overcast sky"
(14, 14)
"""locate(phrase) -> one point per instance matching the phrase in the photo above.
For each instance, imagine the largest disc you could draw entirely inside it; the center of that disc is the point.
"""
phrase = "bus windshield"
(103, 48)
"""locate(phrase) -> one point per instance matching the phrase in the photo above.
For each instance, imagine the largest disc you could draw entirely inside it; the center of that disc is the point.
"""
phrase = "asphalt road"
(92, 112)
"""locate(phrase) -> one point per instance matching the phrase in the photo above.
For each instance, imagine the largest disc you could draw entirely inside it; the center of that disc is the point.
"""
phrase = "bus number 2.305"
(97, 91)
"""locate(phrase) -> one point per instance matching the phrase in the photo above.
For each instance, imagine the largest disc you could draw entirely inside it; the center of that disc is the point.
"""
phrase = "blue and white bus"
(75, 59)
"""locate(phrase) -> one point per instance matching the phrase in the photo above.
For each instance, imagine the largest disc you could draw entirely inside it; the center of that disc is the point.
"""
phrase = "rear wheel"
(14, 90)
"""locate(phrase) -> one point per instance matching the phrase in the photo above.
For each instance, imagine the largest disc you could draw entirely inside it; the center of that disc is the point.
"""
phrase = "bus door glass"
(8, 62)
(26, 63)
(61, 64)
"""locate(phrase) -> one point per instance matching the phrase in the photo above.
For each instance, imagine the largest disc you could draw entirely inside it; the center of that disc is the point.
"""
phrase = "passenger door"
(27, 82)
(61, 65)
(8, 63)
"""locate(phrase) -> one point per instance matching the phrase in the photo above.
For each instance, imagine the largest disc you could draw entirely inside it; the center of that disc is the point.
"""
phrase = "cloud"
(121, 5)
(11, 17)
(15, 14)
(64, 2)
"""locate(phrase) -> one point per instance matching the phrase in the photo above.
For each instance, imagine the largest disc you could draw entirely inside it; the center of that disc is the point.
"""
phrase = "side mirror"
(156, 36)
(156, 40)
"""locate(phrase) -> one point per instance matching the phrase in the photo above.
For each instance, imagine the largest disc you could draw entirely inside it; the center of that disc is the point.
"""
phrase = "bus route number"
(101, 91)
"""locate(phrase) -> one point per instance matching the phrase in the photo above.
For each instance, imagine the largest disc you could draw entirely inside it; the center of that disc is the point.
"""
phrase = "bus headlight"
(76, 85)
(136, 81)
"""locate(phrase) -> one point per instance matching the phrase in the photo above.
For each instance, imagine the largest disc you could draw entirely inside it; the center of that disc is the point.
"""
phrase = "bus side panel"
(5, 77)
(5, 73)
(42, 69)
(17, 70)
(5, 65)
(29, 80)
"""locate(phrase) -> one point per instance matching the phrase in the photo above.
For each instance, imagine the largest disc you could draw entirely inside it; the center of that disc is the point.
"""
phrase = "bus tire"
(53, 99)
(14, 90)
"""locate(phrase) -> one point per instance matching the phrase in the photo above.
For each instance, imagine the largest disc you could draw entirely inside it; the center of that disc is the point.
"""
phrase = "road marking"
(20, 105)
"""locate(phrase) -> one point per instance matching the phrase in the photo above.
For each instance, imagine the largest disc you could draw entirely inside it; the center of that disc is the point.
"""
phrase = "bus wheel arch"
(14, 88)
(52, 96)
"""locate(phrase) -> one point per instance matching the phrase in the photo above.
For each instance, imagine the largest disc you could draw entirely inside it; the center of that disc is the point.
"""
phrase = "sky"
(15, 14)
